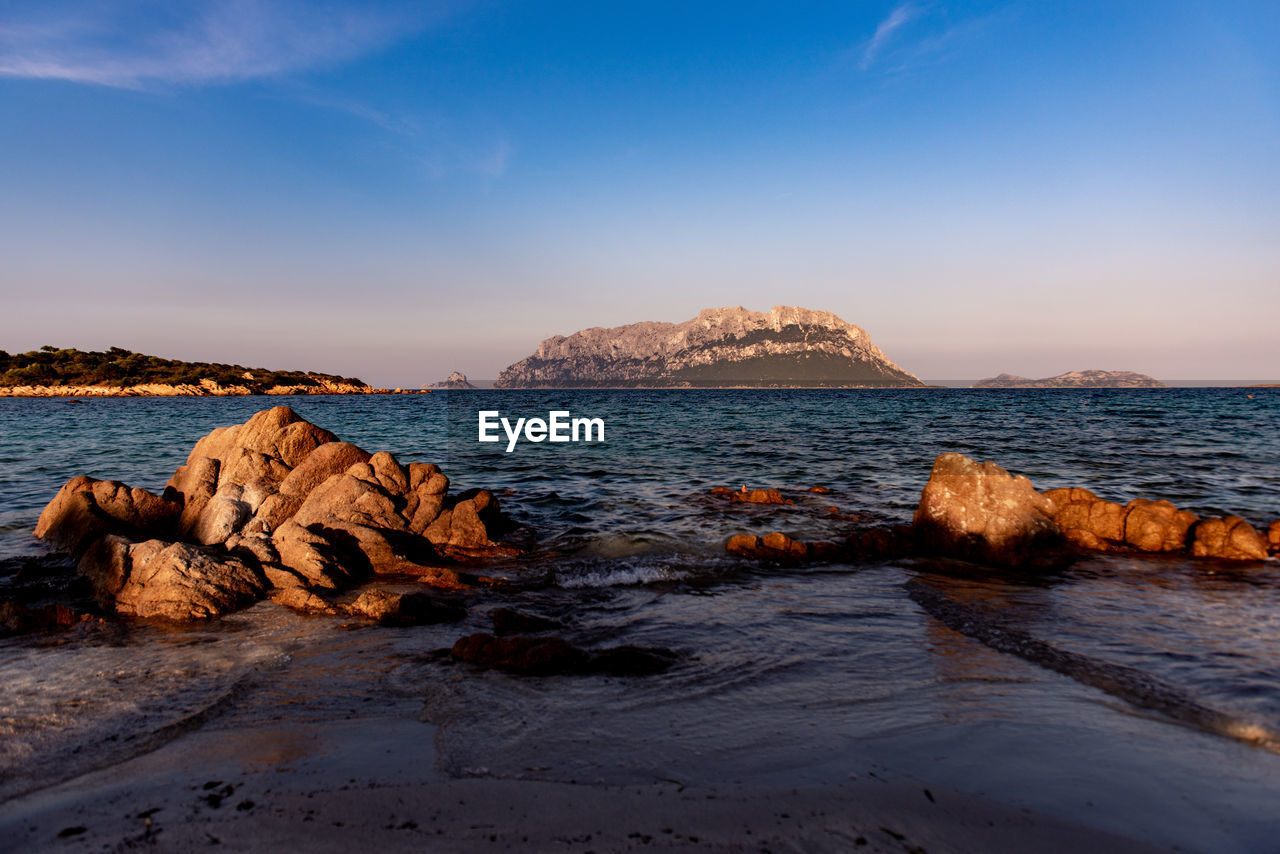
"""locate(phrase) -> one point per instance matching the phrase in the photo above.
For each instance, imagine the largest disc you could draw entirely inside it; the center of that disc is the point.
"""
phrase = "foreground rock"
(274, 503)
(980, 512)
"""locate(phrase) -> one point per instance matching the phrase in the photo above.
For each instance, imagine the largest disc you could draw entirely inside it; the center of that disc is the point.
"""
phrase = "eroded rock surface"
(276, 503)
(980, 512)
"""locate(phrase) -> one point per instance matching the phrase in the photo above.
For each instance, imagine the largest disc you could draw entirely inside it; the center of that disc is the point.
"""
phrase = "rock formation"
(1074, 379)
(454, 380)
(274, 503)
(724, 347)
(980, 512)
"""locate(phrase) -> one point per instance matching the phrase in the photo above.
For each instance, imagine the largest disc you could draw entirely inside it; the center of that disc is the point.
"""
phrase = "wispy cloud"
(898, 18)
(139, 44)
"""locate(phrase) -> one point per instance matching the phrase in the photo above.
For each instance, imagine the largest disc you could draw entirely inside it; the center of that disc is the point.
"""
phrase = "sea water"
(1138, 694)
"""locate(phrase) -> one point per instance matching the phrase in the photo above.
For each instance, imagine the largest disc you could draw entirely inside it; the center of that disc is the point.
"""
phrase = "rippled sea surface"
(1135, 694)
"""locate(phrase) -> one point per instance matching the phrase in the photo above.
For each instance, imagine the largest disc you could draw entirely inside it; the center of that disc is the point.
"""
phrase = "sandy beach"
(372, 784)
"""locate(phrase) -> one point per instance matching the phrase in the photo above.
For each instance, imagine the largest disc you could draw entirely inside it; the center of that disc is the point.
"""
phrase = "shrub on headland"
(118, 368)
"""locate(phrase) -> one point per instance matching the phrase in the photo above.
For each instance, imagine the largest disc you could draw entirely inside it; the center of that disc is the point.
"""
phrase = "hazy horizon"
(394, 191)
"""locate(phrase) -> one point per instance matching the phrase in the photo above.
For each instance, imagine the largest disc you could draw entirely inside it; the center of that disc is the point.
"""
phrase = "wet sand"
(371, 784)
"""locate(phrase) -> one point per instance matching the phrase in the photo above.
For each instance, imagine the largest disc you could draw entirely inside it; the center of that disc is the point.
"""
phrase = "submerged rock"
(980, 512)
(405, 609)
(274, 503)
(526, 656)
(752, 496)
(554, 656)
(507, 621)
(19, 619)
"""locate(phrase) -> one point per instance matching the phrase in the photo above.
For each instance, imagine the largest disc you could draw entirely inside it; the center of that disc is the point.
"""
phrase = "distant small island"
(68, 372)
(1075, 379)
(454, 380)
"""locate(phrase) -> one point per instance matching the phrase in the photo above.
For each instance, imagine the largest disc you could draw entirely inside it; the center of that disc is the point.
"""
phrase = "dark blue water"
(808, 674)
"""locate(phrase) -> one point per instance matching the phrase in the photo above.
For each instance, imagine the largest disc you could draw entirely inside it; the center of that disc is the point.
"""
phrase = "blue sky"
(400, 190)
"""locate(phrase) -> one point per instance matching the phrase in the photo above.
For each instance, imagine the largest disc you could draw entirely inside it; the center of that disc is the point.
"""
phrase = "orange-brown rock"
(427, 487)
(321, 464)
(1156, 526)
(192, 486)
(1230, 538)
(276, 497)
(1086, 518)
(1273, 537)
(775, 546)
(462, 531)
(314, 557)
(301, 600)
(753, 496)
(394, 608)
(274, 511)
(980, 512)
(173, 581)
(761, 496)
(86, 509)
(743, 544)
(819, 490)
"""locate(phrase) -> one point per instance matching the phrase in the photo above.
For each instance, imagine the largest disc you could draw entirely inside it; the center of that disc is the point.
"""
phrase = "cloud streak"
(898, 18)
(134, 45)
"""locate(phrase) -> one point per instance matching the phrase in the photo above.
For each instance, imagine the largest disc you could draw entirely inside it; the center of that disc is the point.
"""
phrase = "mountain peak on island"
(1074, 379)
(787, 346)
(457, 379)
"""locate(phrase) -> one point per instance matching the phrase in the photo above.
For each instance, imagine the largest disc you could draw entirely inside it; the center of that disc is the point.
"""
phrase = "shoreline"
(211, 390)
(341, 785)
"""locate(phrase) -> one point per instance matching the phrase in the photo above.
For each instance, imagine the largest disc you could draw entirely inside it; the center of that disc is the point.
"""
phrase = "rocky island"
(457, 379)
(116, 372)
(722, 347)
(1074, 379)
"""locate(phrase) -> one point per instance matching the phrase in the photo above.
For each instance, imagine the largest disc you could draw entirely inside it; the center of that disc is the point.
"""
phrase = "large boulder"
(980, 512)
(315, 558)
(275, 502)
(173, 581)
(1156, 526)
(86, 509)
(320, 465)
(1230, 538)
(192, 487)
(223, 515)
(462, 531)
